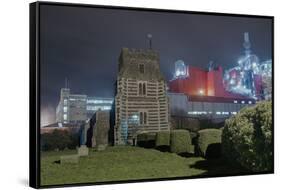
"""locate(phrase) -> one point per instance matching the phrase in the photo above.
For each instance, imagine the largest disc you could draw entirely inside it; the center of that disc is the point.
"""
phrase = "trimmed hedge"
(146, 140)
(247, 138)
(209, 143)
(163, 141)
(181, 142)
(163, 138)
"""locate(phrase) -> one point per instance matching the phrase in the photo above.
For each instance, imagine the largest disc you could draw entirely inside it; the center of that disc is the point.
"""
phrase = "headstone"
(101, 129)
(101, 147)
(71, 159)
(83, 150)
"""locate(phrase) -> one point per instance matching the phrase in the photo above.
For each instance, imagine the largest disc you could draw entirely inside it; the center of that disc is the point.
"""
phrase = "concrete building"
(141, 102)
(205, 107)
(75, 109)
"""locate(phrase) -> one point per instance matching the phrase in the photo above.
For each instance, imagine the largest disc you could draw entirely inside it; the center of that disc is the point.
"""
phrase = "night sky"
(83, 45)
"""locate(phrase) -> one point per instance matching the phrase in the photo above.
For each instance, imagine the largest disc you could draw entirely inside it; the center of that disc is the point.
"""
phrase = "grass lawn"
(126, 163)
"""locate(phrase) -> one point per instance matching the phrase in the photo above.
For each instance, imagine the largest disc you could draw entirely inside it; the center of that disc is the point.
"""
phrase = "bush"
(181, 142)
(59, 139)
(146, 140)
(247, 138)
(209, 143)
(163, 138)
(163, 141)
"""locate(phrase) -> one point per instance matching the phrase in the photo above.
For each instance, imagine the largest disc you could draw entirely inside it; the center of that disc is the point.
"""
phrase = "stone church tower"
(141, 103)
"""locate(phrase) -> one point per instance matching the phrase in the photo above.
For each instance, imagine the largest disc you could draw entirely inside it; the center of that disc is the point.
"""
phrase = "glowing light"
(201, 92)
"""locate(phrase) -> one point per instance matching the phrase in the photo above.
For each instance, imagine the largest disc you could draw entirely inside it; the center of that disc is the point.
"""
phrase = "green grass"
(123, 163)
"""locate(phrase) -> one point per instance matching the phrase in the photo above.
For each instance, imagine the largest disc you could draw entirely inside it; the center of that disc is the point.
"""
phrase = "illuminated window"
(235, 101)
(65, 101)
(64, 109)
(250, 102)
(141, 68)
(106, 107)
(218, 113)
(243, 102)
(93, 108)
(97, 101)
(64, 116)
(134, 119)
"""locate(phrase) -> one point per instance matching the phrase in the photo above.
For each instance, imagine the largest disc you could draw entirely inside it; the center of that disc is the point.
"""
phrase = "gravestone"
(83, 150)
(101, 129)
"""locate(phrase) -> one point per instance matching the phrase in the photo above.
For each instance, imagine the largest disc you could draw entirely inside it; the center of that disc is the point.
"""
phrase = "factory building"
(141, 103)
(248, 77)
(201, 93)
(213, 94)
(75, 109)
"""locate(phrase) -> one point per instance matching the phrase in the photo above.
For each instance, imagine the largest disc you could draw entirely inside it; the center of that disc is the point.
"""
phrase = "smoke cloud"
(48, 115)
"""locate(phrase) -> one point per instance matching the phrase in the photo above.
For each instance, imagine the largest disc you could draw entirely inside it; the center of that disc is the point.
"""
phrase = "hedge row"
(177, 141)
(59, 140)
(206, 143)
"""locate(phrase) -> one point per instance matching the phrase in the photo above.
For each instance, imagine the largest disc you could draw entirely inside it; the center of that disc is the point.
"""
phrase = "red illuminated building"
(199, 84)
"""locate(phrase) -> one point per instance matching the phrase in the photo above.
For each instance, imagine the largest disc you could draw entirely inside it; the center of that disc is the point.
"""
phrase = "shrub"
(163, 138)
(181, 141)
(163, 141)
(59, 140)
(209, 143)
(247, 138)
(146, 140)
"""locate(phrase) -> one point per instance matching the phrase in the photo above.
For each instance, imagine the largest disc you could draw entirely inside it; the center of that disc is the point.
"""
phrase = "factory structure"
(210, 93)
(76, 109)
(141, 101)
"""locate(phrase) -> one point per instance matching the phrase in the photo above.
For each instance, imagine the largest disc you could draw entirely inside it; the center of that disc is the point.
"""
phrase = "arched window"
(141, 68)
(143, 118)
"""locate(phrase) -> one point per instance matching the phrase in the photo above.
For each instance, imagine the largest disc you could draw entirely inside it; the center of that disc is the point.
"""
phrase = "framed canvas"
(121, 94)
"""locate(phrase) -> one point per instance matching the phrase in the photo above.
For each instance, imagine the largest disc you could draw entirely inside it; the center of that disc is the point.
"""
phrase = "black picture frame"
(34, 90)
